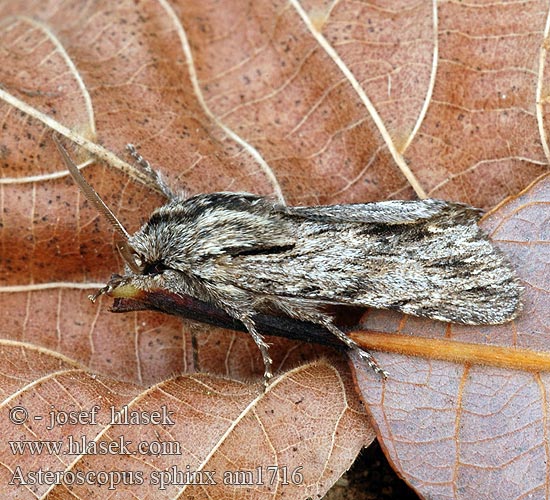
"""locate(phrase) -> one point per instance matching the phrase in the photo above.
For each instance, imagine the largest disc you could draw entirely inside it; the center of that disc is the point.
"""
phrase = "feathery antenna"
(89, 192)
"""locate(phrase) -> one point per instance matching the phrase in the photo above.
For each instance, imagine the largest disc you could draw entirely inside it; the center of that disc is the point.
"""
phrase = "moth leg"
(262, 345)
(313, 315)
(153, 174)
(364, 354)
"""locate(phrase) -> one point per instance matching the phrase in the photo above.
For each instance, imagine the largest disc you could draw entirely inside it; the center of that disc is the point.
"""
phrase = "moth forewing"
(248, 256)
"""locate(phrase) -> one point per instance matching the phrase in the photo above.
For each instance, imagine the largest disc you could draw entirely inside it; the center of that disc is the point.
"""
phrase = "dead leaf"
(475, 429)
(189, 436)
(308, 102)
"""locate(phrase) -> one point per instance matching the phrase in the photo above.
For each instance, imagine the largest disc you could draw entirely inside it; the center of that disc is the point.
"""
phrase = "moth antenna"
(151, 172)
(89, 191)
(127, 253)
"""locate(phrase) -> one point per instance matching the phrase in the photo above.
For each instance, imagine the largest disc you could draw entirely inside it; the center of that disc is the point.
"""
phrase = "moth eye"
(153, 268)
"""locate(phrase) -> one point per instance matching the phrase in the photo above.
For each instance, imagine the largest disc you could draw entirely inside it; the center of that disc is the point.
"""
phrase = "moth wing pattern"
(440, 265)
(380, 212)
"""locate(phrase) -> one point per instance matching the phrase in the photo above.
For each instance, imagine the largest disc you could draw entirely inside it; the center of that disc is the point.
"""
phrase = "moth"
(249, 255)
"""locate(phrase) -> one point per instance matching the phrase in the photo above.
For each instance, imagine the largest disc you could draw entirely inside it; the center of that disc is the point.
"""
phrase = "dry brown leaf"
(310, 102)
(470, 431)
(218, 427)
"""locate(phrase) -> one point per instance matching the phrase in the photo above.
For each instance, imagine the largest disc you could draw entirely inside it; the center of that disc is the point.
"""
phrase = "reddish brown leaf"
(206, 424)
